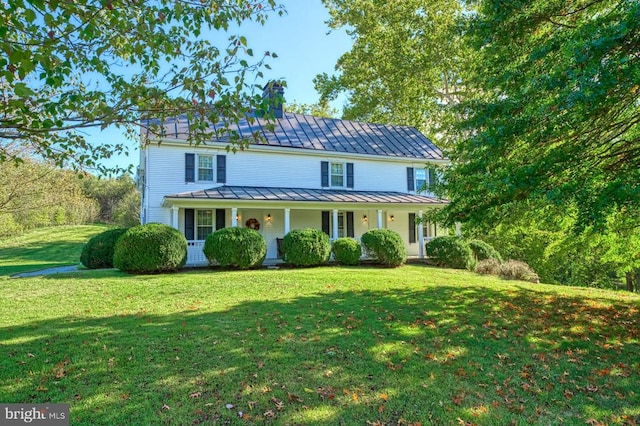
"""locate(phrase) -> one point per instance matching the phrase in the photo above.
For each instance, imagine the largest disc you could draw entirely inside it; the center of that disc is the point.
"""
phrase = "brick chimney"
(273, 92)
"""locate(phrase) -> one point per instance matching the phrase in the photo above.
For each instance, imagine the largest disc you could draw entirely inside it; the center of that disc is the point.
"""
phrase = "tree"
(118, 198)
(320, 109)
(405, 63)
(69, 65)
(555, 115)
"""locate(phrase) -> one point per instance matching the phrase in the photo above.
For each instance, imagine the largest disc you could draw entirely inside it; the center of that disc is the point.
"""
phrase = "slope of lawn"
(413, 345)
(45, 248)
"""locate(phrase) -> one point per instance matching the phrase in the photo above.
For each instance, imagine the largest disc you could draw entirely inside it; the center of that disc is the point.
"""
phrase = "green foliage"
(35, 194)
(241, 248)
(450, 252)
(150, 248)
(346, 251)
(320, 109)
(490, 266)
(553, 114)
(482, 250)
(98, 251)
(118, 198)
(306, 247)
(145, 57)
(405, 62)
(385, 247)
(516, 270)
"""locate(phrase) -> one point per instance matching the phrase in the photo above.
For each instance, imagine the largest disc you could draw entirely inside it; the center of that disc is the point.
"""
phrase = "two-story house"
(343, 177)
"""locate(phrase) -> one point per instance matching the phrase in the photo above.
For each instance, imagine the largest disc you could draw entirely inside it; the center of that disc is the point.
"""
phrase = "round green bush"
(482, 250)
(241, 248)
(450, 252)
(346, 251)
(306, 247)
(384, 246)
(97, 253)
(150, 248)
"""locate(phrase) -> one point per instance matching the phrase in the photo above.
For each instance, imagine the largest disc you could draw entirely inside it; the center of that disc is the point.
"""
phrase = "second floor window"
(205, 168)
(421, 180)
(337, 175)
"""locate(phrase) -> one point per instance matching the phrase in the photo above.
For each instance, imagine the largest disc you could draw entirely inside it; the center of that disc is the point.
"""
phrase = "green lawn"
(413, 345)
(44, 248)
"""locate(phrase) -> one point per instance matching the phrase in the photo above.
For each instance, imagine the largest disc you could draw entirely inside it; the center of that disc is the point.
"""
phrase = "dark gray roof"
(252, 193)
(327, 134)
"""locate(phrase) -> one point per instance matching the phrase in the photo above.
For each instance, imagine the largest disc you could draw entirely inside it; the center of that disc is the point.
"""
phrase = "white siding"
(165, 172)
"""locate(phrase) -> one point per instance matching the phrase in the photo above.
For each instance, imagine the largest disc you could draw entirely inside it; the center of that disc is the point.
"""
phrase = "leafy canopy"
(405, 62)
(69, 65)
(556, 114)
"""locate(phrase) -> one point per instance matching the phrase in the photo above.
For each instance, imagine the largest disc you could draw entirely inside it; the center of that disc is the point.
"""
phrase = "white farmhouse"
(343, 177)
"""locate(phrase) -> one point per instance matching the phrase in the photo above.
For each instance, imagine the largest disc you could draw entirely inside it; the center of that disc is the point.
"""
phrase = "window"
(421, 179)
(337, 175)
(205, 168)
(429, 229)
(344, 225)
(204, 223)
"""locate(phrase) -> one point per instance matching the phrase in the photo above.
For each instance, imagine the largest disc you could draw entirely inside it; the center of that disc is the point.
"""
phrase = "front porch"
(273, 212)
(274, 224)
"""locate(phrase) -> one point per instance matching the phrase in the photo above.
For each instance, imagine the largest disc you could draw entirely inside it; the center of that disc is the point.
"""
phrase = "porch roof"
(254, 193)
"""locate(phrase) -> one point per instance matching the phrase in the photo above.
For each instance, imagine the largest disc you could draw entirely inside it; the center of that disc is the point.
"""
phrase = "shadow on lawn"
(430, 356)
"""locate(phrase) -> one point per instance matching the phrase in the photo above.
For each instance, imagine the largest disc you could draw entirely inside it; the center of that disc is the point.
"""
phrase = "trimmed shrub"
(150, 248)
(241, 248)
(97, 253)
(516, 270)
(482, 250)
(450, 252)
(306, 247)
(346, 251)
(488, 267)
(384, 246)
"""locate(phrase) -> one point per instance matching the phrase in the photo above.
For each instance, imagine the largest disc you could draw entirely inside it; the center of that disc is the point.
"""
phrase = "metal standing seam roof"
(326, 134)
(252, 193)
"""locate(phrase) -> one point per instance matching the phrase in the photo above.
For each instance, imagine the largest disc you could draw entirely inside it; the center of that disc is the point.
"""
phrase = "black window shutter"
(412, 227)
(325, 223)
(432, 179)
(411, 184)
(324, 174)
(189, 224)
(221, 172)
(220, 218)
(349, 175)
(350, 232)
(189, 167)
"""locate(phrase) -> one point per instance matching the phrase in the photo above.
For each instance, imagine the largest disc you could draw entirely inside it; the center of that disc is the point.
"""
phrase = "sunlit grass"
(319, 346)
(44, 248)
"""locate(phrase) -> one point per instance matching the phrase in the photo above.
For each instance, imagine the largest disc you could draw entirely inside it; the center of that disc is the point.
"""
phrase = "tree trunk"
(633, 281)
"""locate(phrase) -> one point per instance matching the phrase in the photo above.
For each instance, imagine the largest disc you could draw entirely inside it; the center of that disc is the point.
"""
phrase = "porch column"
(234, 217)
(335, 224)
(174, 217)
(420, 236)
(379, 219)
(287, 221)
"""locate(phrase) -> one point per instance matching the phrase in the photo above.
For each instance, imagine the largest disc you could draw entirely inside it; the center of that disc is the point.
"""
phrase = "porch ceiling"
(253, 193)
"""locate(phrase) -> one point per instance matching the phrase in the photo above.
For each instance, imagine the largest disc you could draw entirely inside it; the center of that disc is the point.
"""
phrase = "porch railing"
(195, 255)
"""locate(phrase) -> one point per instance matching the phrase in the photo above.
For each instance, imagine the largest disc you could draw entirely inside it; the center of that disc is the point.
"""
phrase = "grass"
(44, 248)
(413, 345)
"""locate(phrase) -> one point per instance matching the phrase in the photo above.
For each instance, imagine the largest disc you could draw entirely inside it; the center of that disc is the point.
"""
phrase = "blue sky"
(304, 50)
